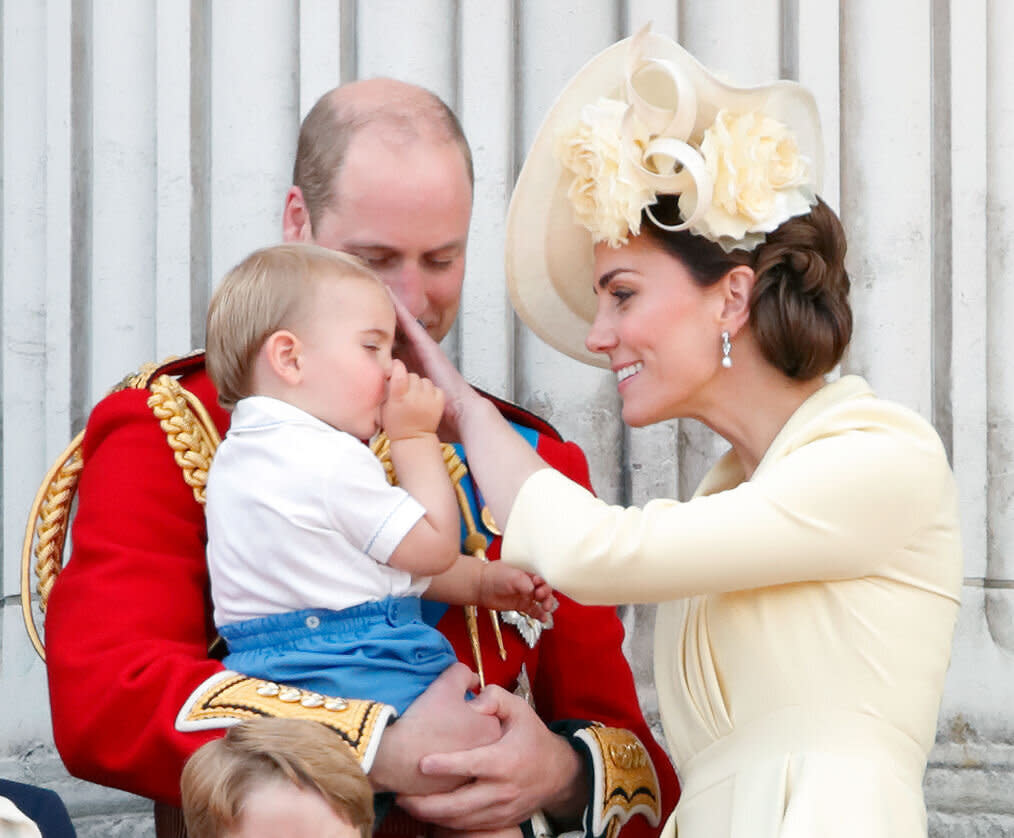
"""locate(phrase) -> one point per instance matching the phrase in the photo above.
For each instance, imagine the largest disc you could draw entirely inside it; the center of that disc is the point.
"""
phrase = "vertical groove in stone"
(349, 42)
(941, 210)
(200, 167)
(789, 46)
(81, 210)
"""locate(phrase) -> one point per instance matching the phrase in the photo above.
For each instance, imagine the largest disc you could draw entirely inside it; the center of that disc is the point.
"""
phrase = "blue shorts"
(378, 650)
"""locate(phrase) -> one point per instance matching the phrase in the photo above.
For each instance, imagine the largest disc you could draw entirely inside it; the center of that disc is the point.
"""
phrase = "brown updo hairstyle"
(799, 309)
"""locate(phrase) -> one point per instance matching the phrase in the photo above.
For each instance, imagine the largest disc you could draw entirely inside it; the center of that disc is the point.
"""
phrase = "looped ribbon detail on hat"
(656, 129)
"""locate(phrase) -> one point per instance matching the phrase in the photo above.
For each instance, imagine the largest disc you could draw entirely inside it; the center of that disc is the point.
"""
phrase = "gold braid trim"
(189, 429)
(475, 541)
(229, 698)
(625, 779)
(47, 525)
(53, 517)
(49, 517)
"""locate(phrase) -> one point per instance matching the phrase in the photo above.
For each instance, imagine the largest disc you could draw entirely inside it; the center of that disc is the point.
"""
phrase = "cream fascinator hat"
(645, 118)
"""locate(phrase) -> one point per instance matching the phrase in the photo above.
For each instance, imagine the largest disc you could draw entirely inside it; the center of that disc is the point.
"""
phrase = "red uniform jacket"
(128, 623)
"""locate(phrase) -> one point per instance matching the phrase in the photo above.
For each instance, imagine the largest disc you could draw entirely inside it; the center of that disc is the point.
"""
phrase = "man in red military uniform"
(382, 171)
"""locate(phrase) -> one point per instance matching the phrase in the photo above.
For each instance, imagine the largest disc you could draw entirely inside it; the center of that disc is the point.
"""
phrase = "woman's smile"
(625, 372)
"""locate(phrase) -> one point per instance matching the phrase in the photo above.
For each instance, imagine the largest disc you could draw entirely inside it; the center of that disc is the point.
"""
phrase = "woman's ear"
(284, 353)
(737, 287)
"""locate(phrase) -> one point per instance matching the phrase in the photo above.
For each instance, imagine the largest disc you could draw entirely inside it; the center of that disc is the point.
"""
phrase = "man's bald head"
(399, 111)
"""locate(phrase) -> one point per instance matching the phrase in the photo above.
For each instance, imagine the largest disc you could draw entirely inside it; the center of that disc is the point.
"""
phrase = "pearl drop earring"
(726, 350)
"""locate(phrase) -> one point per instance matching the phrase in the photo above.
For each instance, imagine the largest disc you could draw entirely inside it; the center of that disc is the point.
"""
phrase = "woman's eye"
(621, 294)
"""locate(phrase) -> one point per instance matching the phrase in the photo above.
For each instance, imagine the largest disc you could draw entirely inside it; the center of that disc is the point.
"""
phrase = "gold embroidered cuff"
(227, 698)
(625, 783)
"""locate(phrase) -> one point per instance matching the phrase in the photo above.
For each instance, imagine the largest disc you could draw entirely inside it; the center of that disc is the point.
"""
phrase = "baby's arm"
(410, 417)
(496, 585)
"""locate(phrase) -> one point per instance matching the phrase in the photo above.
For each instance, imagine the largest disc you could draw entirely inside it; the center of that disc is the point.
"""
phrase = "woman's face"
(661, 331)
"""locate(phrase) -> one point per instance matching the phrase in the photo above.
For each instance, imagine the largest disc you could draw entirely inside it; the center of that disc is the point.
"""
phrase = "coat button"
(313, 621)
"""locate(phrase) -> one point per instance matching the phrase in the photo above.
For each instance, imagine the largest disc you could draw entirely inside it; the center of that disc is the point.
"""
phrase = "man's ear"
(296, 218)
(283, 352)
(737, 287)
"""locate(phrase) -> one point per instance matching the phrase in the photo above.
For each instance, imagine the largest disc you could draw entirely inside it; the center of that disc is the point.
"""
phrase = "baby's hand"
(506, 588)
(413, 407)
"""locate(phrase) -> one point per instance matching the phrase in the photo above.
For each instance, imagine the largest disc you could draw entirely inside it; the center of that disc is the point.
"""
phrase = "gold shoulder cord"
(475, 542)
(49, 519)
(47, 525)
(189, 429)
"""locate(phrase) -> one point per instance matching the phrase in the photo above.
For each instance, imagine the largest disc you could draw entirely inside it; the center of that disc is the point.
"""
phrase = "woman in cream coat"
(809, 590)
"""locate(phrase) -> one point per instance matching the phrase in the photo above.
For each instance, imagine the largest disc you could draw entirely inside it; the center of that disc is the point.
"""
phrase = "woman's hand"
(529, 768)
(424, 356)
(439, 719)
(499, 459)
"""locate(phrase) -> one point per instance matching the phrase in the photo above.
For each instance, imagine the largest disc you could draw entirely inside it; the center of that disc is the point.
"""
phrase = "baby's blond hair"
(220, 775)
(265, 292)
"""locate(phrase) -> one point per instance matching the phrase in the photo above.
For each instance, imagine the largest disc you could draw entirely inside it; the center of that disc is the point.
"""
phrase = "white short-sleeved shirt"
(300, 515)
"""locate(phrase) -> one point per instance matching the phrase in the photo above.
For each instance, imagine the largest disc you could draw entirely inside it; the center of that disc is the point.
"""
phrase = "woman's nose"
(601, 336)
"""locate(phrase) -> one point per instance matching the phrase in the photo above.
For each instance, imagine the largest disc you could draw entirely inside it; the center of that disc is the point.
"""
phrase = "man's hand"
(438, 720)
(529, 768)
(506, 588)
(413, 406)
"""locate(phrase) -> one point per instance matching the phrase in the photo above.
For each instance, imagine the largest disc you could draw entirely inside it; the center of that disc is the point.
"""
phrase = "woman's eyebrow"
(608, 275)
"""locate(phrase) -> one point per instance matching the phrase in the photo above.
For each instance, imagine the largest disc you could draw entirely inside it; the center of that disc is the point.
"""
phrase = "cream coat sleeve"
(14, 823)
(840, 496)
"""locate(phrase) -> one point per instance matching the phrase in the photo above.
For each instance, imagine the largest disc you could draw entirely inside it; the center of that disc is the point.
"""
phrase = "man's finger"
(491, 702)
(469, 807)
(453, 763)
(457, 679)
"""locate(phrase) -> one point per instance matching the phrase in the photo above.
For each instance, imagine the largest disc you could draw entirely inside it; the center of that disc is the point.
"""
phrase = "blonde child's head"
(268, 770)
(272, 289)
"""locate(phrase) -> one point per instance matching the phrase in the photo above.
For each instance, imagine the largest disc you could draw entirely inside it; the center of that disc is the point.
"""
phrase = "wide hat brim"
(549, 255)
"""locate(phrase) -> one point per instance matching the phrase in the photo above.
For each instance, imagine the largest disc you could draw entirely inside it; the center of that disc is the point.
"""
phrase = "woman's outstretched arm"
(499, 459)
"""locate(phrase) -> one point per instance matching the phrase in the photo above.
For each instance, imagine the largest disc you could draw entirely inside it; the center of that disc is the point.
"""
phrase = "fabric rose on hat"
(760, 179)
(606, 193)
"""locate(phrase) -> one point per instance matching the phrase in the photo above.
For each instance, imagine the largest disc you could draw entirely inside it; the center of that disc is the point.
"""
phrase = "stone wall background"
(147, 144)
